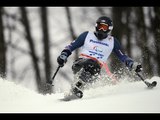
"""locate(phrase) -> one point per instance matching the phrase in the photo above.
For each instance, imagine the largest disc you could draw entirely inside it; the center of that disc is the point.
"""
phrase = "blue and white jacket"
(90, 46)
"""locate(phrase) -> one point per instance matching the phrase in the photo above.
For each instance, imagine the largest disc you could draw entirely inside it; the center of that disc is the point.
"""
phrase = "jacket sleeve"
(76, 43)
(120, 54)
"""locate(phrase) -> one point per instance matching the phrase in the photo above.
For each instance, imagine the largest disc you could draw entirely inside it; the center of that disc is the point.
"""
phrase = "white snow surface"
(126, 97)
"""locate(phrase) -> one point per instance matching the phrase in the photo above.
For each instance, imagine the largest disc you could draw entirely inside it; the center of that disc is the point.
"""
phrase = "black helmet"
(103, 27)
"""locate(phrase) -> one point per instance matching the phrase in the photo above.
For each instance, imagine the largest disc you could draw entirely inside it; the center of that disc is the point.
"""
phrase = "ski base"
(69, 98)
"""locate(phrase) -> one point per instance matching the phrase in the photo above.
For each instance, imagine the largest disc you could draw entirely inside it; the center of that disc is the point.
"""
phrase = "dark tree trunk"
(44, 18)
(128, 31)
(143, 42)
(71, 30)
(47, 64)
(29, 39)
(2, 47)
(156, 29)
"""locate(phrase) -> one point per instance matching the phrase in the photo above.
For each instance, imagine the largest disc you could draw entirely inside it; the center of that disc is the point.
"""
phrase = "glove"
(133, 65)
(62, 59)
(137, 67)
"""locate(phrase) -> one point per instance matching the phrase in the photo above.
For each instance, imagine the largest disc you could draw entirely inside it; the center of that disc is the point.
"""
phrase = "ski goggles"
(102, 26)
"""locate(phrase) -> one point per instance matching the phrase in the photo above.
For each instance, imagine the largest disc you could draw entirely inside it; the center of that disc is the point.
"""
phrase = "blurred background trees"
(31, 38)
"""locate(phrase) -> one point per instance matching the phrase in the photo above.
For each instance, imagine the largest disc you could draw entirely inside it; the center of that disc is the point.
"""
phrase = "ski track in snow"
(127, 97)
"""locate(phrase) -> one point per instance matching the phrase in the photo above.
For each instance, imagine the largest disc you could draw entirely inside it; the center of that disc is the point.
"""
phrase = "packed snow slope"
(126, 97)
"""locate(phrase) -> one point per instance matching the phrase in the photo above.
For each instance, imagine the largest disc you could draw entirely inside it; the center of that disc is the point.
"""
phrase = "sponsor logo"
(97, 49)
(98, 42)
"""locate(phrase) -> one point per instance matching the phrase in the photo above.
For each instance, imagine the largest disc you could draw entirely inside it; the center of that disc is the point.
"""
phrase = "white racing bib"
(96, 48)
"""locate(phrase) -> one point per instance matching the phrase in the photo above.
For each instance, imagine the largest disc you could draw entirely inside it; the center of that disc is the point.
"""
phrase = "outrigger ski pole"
(149, 85)
(51, 81)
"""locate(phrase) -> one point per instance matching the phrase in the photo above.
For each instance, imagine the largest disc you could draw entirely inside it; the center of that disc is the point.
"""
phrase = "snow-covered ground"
(127, 97)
